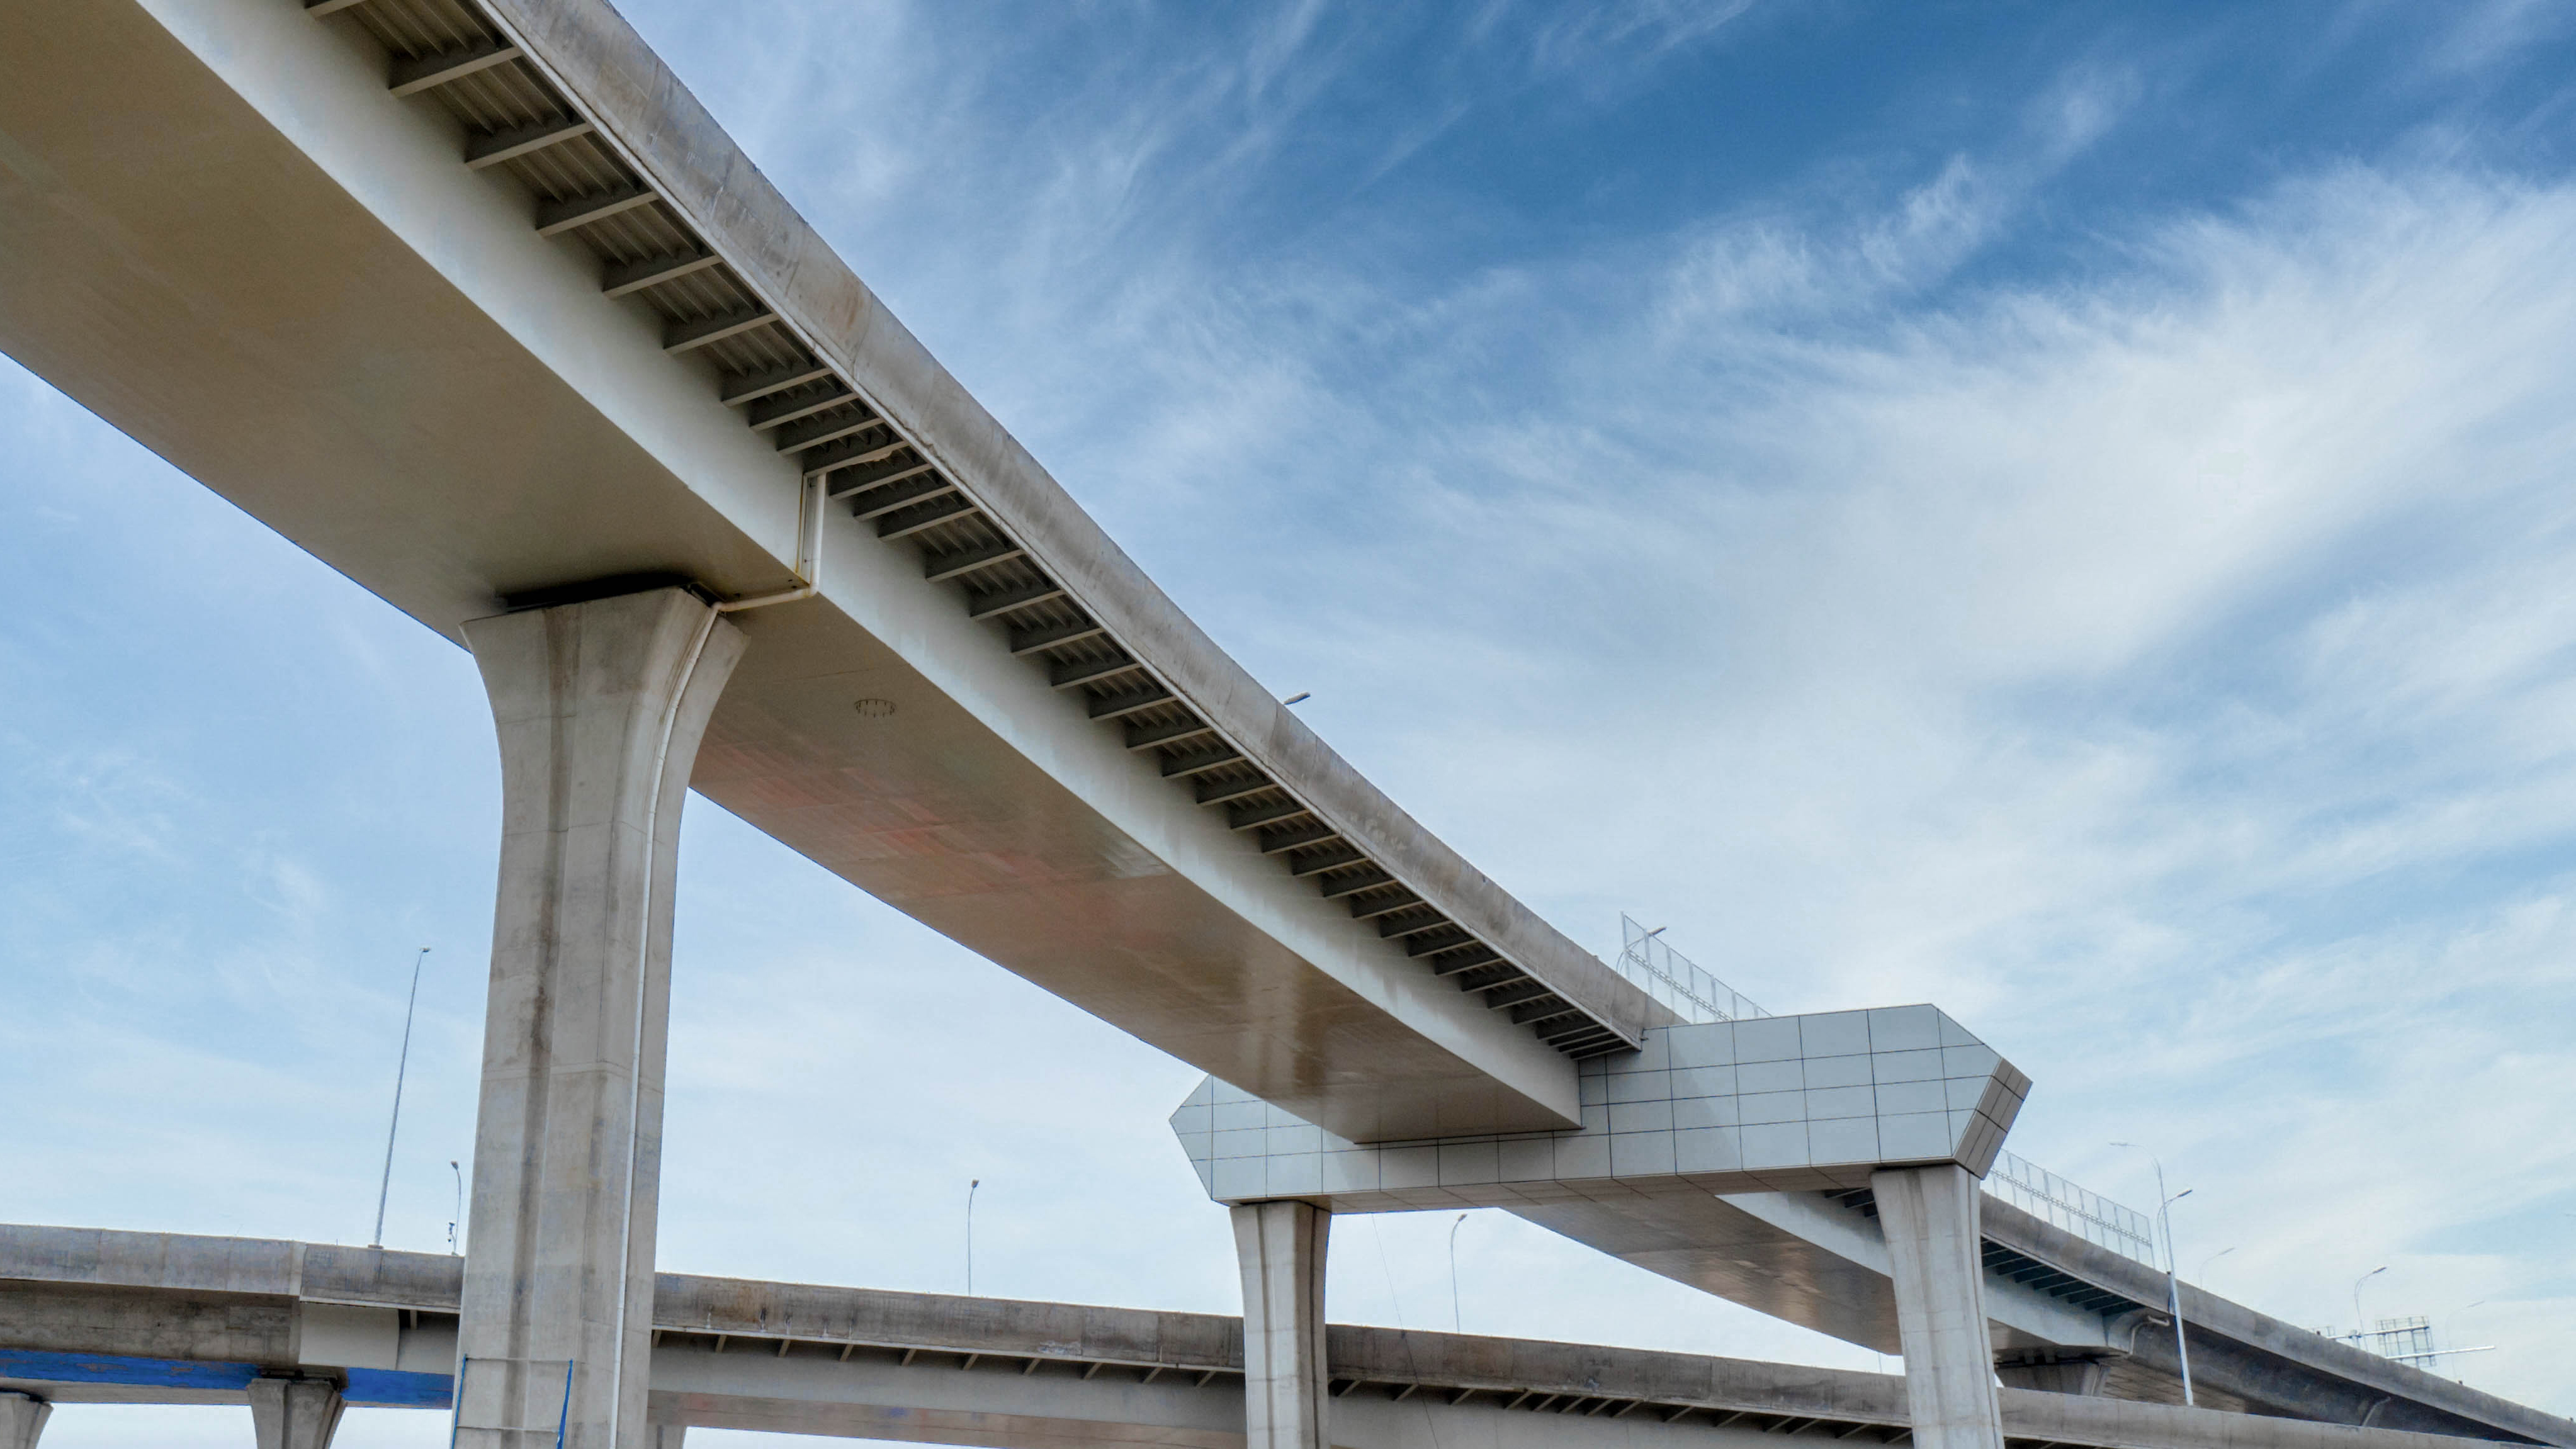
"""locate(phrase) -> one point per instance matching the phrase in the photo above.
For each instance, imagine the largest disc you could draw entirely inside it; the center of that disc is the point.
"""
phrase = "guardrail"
(2078, 1210)
(1698, 997)
(1675, 980)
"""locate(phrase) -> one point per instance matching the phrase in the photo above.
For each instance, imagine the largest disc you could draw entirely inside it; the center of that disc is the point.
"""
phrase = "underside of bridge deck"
(472, 301)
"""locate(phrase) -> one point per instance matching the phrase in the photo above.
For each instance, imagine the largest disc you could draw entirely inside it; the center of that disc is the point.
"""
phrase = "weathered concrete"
(1281, 1248)
(927, 1368)
(599, 707)
(22, 1419)
(169, 1295)
(1930, 1215)
(294, 1413)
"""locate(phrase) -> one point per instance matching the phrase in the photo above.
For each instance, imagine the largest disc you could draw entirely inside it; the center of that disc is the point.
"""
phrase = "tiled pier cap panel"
(1774, 1104)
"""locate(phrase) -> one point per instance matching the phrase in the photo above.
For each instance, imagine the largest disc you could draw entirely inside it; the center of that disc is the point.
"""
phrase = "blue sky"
(2061, 513)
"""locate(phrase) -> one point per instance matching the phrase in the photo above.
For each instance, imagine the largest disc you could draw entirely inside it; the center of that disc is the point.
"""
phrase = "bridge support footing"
(22, 1418)
(1935, 1248)
(1287, 1393)
(293, 1413)
(600, 707)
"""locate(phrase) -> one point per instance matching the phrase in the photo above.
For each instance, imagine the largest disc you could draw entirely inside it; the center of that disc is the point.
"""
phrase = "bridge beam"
(1287, 1392)
(1933, 1242)
(599, 706)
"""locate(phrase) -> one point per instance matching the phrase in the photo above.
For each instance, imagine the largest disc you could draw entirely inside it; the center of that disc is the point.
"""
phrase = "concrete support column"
(22, 1418)
(1287, 1391)
(599, 707)
(1936, 1253)
(294, 1413)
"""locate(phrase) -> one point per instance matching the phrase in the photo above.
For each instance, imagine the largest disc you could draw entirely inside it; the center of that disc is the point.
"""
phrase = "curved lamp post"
(2173, 1284)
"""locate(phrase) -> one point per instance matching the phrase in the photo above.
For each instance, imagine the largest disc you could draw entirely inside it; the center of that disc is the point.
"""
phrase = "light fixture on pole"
(2173, 1282)
(971, 1185)
(384, 1186)
(2203, 1274)
(1453, 1271)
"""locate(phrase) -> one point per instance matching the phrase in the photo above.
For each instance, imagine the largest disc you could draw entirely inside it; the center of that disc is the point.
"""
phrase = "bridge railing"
(2085, 1213)
(1697, 997)
(1675, 980)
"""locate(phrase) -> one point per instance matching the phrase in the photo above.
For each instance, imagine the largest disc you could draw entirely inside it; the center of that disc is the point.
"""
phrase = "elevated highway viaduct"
(105, 1317)
(473, 301)
(476, 304)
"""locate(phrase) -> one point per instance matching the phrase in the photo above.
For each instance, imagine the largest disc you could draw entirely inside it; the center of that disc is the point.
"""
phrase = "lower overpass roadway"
(90, 1316)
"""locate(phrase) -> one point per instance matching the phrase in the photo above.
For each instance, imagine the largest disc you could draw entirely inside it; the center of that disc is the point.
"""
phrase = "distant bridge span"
(161, 1318)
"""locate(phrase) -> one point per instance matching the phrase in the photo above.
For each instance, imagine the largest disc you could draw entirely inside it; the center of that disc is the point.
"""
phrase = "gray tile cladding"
(1776, 1103)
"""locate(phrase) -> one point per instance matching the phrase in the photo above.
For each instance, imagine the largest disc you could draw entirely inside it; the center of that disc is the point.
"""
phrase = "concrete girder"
(246, 252)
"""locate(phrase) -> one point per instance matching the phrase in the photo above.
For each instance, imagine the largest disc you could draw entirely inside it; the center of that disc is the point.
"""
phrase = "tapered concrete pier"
(1933, 1242)
(1287, 1393)
(22, 1418)
(599, 707)
(294, 1413)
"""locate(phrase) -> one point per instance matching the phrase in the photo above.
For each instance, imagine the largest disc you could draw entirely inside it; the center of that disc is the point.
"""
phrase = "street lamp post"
(2173, 1283)
(1453, 1272)
(2360, 1326)
(402, 1064)
(971, 1185)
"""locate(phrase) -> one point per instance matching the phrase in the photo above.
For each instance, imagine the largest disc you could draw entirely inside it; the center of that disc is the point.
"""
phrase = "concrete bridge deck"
(472, 300)
(91, 1316)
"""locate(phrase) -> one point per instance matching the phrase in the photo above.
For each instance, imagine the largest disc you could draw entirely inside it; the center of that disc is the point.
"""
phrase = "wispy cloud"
(2158, 659)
